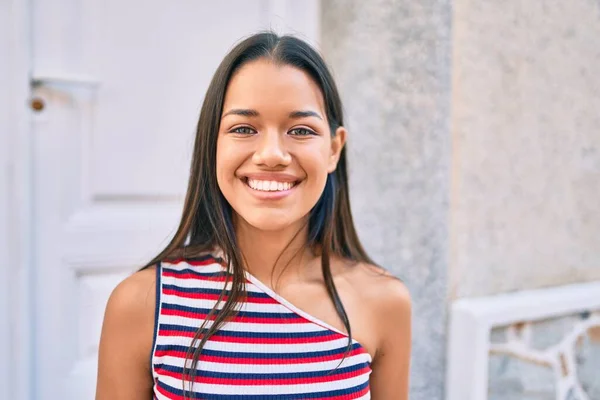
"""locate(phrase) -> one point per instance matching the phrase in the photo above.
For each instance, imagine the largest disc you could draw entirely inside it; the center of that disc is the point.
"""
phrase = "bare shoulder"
(382, 288)
(389, 302)
(129, 315)
(135, 296)
(126, 339)
(131, 305)
(385, 310)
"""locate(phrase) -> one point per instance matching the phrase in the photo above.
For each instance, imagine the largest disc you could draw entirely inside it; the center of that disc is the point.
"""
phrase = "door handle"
(74, 84)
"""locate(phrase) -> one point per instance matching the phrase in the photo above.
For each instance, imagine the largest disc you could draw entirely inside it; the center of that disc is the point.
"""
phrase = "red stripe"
(169, 395)
(266, 381)
(189, 275)
(238, 318)
(259, 340)
(251, 340)
(256, 361)
(210, 296)
(208, 261)
(356, 395)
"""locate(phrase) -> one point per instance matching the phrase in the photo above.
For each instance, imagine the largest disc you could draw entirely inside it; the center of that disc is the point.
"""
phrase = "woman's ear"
(337, 144)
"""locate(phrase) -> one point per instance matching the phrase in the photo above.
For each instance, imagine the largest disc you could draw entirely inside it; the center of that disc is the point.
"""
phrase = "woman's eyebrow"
(244, 112)
(304, 114)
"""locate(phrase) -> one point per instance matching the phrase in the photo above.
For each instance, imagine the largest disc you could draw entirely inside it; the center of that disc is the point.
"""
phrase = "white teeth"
(269, 186)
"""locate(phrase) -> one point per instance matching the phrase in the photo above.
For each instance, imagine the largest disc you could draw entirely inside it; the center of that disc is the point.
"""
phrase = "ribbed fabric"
(270, 350)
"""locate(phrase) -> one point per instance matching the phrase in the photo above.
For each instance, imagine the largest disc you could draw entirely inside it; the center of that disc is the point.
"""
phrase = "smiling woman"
(268, 196)
(280, 136)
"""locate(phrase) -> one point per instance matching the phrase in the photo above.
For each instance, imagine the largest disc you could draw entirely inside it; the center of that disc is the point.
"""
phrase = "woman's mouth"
(268, 188)
(269, 185)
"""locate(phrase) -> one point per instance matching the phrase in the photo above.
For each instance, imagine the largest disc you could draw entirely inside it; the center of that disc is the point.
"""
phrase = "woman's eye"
(244, 130)
(302, 132)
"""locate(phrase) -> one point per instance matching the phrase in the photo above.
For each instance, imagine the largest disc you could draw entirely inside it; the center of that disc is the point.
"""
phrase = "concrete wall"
(526, 145)
(391, 63)
(474, 151)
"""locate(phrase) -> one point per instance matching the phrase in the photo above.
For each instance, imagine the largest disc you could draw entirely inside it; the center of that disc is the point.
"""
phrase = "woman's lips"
(270, 189)
(269, 185)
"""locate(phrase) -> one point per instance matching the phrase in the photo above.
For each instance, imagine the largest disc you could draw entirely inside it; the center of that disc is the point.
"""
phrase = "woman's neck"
(275, 256)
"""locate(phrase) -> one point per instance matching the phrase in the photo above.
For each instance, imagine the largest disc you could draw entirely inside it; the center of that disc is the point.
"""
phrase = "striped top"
(270, 350)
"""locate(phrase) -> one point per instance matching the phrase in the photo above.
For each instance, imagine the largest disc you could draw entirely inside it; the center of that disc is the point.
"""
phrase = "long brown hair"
(207, 220)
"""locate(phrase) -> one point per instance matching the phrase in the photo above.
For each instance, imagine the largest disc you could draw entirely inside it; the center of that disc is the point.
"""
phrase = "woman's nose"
(271, 150)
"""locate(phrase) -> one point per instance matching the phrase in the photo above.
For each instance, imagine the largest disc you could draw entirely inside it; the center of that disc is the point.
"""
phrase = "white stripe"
(206, 303)
(206, 284)
(317, 365)
(158, 394)
(195, 283)
(269, 388)
(180, 266)
(263, 347)
(242, 326)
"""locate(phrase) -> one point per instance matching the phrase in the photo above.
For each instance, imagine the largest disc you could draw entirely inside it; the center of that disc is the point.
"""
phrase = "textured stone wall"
(475, 162)
(391, 63)
(526, 145)
(525, 194)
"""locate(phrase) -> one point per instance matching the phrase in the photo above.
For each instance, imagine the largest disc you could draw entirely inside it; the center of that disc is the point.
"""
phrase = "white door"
(121, 83)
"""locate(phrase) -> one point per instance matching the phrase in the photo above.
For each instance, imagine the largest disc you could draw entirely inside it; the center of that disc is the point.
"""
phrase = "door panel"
(165, 62)
(122, 84)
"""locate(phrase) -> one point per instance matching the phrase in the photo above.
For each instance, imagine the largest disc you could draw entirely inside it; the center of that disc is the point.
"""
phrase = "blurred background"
(474, 158)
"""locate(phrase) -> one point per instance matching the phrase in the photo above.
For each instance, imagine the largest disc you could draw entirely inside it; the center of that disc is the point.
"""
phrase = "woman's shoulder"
(130, 309)
(126, 339)
(135, 294)
(380, 287)
(390, 308)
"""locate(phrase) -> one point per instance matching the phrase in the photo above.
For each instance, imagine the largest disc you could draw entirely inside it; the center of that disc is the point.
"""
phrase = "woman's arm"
(126, 340)
(391, 366)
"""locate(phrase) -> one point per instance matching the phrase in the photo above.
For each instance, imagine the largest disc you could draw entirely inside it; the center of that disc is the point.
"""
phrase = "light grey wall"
(526, 145)
(474, 148)
(391, 63)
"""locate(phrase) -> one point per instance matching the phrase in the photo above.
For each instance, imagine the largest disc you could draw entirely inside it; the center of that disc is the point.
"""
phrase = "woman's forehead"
(264, 84)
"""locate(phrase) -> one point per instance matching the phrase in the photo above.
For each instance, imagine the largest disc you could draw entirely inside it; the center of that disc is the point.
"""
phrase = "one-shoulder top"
(269, 350)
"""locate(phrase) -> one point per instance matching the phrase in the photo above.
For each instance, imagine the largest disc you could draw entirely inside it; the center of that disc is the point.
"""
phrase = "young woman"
(265, 291)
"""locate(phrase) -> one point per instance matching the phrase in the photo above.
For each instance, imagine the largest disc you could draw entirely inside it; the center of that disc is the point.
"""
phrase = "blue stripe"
(277, 335)
(239, 354)
(266, 335)
(197, 273)
(266, 376)
(201, 258)
(179, 328)
(213, 291)
(291, 396)
(250, 314)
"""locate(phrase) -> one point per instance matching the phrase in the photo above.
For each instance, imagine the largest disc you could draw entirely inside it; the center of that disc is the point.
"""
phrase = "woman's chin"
(269, 225)
(270, 222)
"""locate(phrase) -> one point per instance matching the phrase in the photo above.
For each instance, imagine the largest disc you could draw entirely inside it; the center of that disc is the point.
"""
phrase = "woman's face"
(274, 148)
